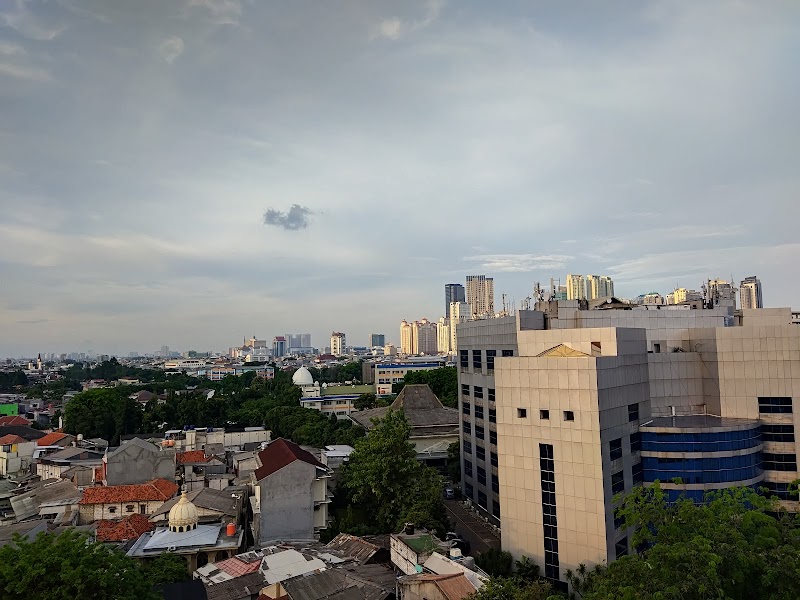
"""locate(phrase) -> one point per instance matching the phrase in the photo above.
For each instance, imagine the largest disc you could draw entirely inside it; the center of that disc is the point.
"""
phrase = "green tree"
(384, 481)
(365, 401)
(454, 461)
(526, 569)
(443, 382)
(513, 588)
(165, 568)
(66, 567)
(495, 562)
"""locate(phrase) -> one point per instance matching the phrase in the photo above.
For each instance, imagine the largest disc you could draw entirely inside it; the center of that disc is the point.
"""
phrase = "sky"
(189, 172)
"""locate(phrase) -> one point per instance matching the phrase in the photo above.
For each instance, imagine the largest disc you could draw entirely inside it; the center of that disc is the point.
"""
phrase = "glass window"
(621, 547)
(777, 433)
(467, 446)
(493, 437)
(633, 412)
(569, 415)
(466, 427)
(480, 452)
(522, 413)
(490, 354)
(468, 490)
(465, 389)
(779, 462)
(491, 394)
(496, 508)
(616, 448)
(495, 484)
(477, 391)
(468, 468)
(479, 432)
(774, 405)
(636, 442)
(617, 482)
(464, 355)
(477, 363)
(638, 473)
(492, 415)
(493, 458)
(507, 353)
(466, 408)
(544, 414)
(478, 412)
(482, 500)
(481, 475)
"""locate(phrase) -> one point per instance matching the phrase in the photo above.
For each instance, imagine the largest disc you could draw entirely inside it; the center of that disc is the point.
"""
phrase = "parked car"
(449, 493)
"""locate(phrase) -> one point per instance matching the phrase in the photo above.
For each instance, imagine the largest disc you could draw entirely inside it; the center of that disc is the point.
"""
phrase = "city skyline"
(184, 173)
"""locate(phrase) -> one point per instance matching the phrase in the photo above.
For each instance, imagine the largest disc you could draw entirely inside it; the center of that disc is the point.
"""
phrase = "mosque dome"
(183, 516)
(302, 377)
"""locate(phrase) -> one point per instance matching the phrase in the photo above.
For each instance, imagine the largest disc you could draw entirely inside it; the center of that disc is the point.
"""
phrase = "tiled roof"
(129, 528)
(25, 431)
(14, 420)
(191, 456)
(11, 439)
(158, 489)
(452, 587)
(280, 453)
(236, 567)
(98, 474)
(51, 439)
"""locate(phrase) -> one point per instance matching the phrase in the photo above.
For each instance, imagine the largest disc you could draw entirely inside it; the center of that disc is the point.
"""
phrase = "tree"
(365, 401)
(495, 562)
(526, 569)
(66, 567)
(165, 568)
(513, 588)
(385, 482)
(736, 546)
(454, 461)
(443, 382)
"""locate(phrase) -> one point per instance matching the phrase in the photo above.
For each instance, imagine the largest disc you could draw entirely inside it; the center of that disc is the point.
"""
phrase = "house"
(16, 455)
(194, 467)
(346, 582)
(426, 586)
(137, 461)
(29, 503)
(80, 475)
(290, 494)
(53, 465)
(125, 529)
(14, 420)
(56, 438)
(24, 431)
(359, 549)
(110, 502)
(143, 396)
(433, 426)
(213, 506)
(410, 549)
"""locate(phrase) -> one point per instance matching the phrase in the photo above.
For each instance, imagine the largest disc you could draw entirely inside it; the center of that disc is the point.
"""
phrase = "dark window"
(495, 484)
(464, 354)
(477, 391)
(478, 412)
(569, 415)
(507, 353)
(778, 462)
(491, 394)
(492, 415)
(633, 412)
(479, 432)
(549, 526)
(129, 508)
(465, 389)
(636, 442)
(490, 354)
(468, 490)
(481, 475)
(621, 547)
(777, 433)
(467, 445)
(619, 522)
(480, 452)
(476, 360)
(466, 407)
(142, 509)
(493, 437)
(617, 482)
(616, 448)
(496, 508)
(544, 414)
(638, 473)
(774, 405)
(466, 427)
(482, 501)
(781, 490)
(522, 413)
(493, 458)
(468, 468)
(112, 509)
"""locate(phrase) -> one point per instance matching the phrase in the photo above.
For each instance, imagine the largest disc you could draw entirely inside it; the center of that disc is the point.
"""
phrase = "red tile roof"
(158, 489)
(14, 420)
(51, 439)
(129, 528)
(98, 474)
(236, 567)
(280, 453)
(11, 439)
(191, 456)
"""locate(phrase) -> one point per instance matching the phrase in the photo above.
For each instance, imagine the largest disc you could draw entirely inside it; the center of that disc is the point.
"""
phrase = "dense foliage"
(9, 381)
(514, 588)
(385, 485)
(495, 562)
(68, 566)
(443, 382)
(337, 373)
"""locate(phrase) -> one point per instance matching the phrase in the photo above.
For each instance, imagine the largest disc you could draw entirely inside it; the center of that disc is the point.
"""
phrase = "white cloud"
(518, 263)
(171, 48)
(23, 72)
(17, 15)
(221, 12)
(393, 28)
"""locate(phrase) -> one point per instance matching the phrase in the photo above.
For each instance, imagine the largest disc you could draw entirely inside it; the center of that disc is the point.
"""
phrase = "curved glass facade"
(731, 454)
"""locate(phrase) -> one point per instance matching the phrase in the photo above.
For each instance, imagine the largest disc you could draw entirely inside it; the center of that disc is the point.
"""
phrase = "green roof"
(337, 390)
(420, 544)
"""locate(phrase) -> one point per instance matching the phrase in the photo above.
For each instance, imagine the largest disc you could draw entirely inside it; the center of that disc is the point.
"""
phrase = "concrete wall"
(287, 503)
(89, 513)
(416, 589)
(133, 464)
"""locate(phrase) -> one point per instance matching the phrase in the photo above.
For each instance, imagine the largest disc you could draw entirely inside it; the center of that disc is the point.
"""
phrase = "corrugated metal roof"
(353, 546)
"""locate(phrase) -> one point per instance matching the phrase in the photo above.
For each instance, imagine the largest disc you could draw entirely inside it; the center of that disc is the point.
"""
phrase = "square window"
(569, 415)
(544, 414)
(522, 413)
(507, 353)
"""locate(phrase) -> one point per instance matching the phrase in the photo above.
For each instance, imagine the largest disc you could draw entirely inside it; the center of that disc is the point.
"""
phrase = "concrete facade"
(137, 461)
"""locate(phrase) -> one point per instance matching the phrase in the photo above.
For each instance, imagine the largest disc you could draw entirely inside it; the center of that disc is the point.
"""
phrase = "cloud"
(171, 48)
(221, 12)
(519, 263)
(23, 20)
(26, 73)
(393, 28)
(296, 218)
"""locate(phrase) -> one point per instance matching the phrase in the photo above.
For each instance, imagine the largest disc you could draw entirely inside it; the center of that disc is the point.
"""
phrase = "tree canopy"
(68, 566)
(384, 481)
(443, 382)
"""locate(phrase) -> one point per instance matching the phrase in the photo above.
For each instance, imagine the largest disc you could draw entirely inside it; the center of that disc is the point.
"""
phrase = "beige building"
(459, 313)
(576, 287)
(426, 336)
(750, 293)
(338, 343)
(681, 295)
(480, 295)
(407, 341)
(443, 335)
(599, 286)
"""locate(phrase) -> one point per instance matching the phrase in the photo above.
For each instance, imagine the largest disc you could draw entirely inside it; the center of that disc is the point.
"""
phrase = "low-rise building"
(16, 455)
(113, 502)
(387, 374)
(137, 461)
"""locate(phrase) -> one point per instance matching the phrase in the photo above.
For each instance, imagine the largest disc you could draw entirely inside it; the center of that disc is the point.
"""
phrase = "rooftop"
(51, 439)
(191, 456)
(157, 489)
(423, 410)
(129, 528)
(280, 453)
(688, 423)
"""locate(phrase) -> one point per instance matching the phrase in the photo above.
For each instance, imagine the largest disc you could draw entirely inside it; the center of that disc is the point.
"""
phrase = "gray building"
(377, 340)
(290, 494)
(453, 292)
(137, 461)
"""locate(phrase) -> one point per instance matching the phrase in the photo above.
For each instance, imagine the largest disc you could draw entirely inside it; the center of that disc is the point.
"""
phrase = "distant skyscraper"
(750, 293)
(425, 335)
(480, 295)
(721, 293)
(681, 295)
(407, 341)
(338, 343)
(279, 346)
(599, 286)
(459, 312)
(377, 340)
(453, 292)
(576, 287)
(443, 334)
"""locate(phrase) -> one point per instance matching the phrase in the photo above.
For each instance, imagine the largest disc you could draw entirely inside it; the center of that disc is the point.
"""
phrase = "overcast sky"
(187, 172)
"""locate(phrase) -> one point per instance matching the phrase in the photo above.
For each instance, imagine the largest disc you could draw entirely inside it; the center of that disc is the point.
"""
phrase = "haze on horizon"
(189, 172)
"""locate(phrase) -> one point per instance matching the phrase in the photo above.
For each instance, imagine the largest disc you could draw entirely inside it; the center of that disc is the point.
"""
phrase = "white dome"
(183, 516)
(302, 377)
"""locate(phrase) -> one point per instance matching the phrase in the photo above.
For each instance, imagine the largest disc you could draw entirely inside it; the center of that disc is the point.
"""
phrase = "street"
(472, 528)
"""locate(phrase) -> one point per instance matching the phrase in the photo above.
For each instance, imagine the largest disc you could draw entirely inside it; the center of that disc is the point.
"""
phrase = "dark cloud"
(296, 218)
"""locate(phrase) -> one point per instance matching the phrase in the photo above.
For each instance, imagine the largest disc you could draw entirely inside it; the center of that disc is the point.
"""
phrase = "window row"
(544, 414)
